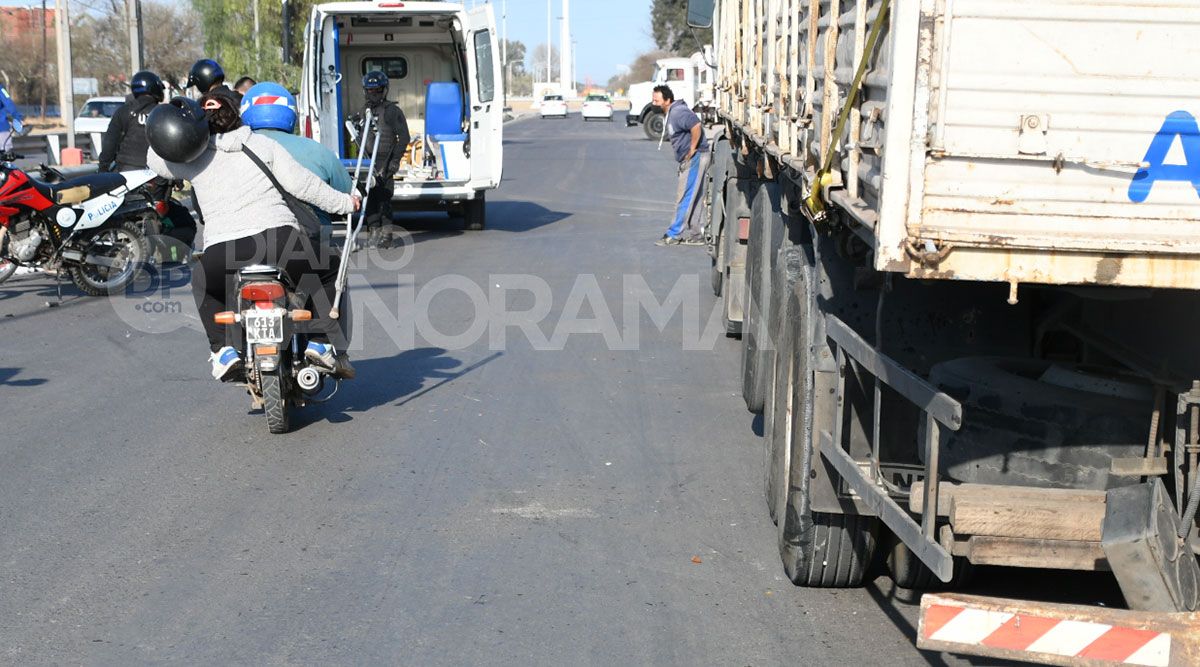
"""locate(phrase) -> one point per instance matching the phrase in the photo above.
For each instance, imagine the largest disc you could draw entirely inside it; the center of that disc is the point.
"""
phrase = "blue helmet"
(269, 106)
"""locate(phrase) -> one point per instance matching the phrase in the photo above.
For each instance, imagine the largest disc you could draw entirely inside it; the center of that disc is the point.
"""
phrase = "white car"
(597, 106)
(554, 105)
(96, 113)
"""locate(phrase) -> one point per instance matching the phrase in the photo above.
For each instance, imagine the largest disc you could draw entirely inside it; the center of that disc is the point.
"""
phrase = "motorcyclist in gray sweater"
(248, 222)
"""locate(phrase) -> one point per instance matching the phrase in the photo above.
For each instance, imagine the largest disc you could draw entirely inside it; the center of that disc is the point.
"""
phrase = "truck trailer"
(960, 242)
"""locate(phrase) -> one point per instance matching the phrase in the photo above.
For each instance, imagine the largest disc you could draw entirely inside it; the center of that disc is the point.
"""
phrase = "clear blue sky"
(610, 33)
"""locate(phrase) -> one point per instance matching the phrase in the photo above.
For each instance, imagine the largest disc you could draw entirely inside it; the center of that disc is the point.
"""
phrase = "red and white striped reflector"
(1026, 633)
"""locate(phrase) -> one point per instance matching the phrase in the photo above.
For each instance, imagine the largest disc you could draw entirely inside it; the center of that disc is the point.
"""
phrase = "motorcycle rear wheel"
(131, 247)
(275, 401)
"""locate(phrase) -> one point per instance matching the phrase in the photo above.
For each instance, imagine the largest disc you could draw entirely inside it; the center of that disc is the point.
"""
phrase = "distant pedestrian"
(8, 114)
(683, 128)
(243, 84)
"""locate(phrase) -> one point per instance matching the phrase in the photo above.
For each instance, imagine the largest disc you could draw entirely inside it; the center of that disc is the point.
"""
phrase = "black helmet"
(205, 74)
(375, 80)
(178, 130)
(146, 82)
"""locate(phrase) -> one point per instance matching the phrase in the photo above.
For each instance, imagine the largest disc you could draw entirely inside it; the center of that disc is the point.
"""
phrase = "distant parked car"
(554, 105)
(96, 113)
(597, 106)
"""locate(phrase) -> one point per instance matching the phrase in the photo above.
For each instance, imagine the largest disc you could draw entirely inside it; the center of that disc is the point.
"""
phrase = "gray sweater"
(236, 198)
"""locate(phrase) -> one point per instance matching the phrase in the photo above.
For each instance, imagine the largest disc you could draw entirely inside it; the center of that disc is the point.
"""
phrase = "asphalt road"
(470, 501)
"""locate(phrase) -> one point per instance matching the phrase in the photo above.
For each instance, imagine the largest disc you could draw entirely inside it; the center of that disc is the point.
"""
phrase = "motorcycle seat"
(81, 189)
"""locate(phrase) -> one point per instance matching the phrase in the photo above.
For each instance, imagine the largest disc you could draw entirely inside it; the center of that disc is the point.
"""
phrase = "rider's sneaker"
(323, 355)
(225, 363)
(320, 354)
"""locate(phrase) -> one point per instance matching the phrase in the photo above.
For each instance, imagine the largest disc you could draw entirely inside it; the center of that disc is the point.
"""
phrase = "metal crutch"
(352, 234)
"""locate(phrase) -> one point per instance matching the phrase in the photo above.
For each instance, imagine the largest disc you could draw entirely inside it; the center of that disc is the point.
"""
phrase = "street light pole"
(565, 56)
(549, 42)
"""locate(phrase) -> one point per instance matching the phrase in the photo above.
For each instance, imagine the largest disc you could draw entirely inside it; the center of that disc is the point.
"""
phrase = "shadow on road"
(401, 379)
(521, 216)
(7, 375)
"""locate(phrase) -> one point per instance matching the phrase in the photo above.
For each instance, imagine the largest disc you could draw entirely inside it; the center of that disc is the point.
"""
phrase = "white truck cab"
(444, 70)
(690, 79)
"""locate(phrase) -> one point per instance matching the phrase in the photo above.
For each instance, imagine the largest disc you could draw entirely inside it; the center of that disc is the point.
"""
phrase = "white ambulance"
(444, 69)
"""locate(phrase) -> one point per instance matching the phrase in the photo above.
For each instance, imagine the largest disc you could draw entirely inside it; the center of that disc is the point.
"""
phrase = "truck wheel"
(733, 258)
(718, 173)
(652, 125)
(778, 415)
(818, 549)
(765, 224)
(1039, 423)
(475, 213)
(908, 572)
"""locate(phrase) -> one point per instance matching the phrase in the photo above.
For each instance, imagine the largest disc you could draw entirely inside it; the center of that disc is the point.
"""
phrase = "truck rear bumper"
(435, 192)
(1057, 634)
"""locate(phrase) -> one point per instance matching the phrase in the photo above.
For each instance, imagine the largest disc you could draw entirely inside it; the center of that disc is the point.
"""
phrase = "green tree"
(516, 55)
(229, 38)
(668, 26)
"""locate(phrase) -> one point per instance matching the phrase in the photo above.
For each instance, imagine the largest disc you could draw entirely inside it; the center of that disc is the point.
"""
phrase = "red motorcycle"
(93, 227)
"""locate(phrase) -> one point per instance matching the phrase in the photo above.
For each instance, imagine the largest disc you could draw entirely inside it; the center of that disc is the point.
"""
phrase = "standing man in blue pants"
(691, 151)
(8, 114)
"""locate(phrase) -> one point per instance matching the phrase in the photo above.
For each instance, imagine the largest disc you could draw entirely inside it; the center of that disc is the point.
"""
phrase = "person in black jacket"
(125, 145)
(394, 138)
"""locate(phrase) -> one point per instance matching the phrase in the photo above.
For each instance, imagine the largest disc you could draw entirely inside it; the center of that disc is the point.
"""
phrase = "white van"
(424, 47)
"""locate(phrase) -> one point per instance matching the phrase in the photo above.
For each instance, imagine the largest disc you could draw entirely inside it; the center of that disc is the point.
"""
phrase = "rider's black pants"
(311, 267)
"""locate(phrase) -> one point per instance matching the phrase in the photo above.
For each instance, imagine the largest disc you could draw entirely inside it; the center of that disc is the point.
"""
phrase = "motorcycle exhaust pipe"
(308, 379)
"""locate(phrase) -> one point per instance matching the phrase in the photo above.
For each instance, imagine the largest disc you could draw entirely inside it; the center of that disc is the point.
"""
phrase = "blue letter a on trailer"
(1179, 124)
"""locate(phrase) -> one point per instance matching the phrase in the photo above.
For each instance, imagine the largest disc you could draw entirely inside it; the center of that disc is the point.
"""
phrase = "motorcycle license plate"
(263, 327)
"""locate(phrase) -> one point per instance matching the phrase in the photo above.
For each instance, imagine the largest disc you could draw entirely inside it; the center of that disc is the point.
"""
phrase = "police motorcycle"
(91, 227)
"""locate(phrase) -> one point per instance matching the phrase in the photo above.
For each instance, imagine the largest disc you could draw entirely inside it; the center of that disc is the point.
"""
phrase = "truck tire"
(766, 223)
(718, 174)
(652, 124)
(909, 573)
(475, 213)
(1032, 422)
(777, 414)
(733, 258)
(818, 549)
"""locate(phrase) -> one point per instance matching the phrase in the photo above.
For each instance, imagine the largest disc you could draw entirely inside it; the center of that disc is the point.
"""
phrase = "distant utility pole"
(257, 45)
(549, 41)
(133, 18)
(45, 59)
(66, 96)
(564, 52)
(504, 48)
(286, 16)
